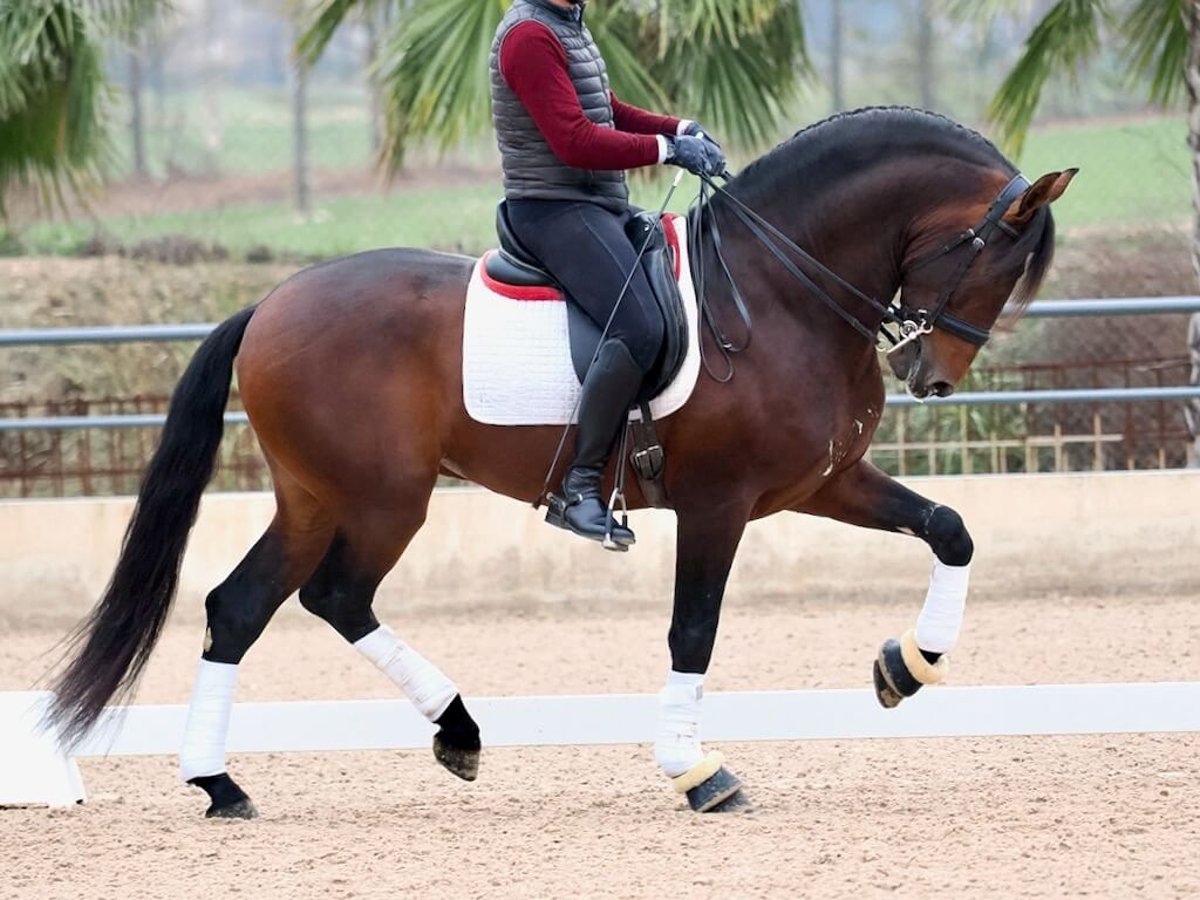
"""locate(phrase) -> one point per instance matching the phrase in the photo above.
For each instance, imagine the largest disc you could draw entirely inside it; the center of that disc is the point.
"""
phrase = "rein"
(909, 324)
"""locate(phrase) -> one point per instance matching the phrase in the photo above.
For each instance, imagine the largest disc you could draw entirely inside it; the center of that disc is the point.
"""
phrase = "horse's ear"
(1042, 192)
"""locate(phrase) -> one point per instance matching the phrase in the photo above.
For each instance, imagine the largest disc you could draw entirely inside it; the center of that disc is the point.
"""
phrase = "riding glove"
(698, 155)
(695, 129)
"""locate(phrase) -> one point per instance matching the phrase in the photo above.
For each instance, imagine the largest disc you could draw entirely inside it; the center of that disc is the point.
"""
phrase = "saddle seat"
(514, 266)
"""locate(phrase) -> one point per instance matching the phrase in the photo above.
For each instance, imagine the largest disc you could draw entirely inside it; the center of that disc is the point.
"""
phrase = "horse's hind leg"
(341, 592)
(865, 496)
(238, 610)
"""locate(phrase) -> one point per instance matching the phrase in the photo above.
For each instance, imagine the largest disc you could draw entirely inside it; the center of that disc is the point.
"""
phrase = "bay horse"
(351, 375)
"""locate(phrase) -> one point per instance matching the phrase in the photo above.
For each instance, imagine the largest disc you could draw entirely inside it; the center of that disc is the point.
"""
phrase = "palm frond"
(321, 22)
(1157, 31)
(53, 96)
(737, 65)
(1066, 36)
(434, 70)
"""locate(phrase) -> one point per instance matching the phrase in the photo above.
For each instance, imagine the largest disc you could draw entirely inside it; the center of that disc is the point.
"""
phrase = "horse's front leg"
(863, 495)
(706, 542)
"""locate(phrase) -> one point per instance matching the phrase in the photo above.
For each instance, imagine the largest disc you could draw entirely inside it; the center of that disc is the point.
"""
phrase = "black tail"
(110, 648)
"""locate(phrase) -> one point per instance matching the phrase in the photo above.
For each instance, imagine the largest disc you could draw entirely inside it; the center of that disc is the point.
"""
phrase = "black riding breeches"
(585, 248)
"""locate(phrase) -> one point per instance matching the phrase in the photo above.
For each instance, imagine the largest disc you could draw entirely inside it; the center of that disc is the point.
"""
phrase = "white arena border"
(559, 720)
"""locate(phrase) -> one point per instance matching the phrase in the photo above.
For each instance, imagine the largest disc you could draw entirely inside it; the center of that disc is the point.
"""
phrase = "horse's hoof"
(893, 680)
(901, 669)
(456, 744)
(228, 801)
(460, 761)
(714, 792)
(887, 697)
(242, 809)
(737, 802)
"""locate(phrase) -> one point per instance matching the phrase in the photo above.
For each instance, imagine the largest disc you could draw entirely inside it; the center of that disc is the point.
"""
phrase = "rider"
(565, 141)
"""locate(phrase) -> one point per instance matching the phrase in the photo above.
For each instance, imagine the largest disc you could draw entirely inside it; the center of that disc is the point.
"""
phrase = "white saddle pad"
(517, 366)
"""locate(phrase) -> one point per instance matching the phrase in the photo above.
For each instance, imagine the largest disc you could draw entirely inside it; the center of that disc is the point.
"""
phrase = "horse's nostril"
(943, 388)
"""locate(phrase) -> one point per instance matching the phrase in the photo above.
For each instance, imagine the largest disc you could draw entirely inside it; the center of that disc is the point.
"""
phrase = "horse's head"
(958, 288)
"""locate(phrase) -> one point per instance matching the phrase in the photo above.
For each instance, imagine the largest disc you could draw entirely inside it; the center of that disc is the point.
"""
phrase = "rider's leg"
(584, 246)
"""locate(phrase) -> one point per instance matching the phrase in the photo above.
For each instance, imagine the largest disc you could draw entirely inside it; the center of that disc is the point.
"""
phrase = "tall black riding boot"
(609, 390)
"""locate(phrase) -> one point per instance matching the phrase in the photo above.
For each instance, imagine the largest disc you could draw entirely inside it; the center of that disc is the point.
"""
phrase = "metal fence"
(1017, 418)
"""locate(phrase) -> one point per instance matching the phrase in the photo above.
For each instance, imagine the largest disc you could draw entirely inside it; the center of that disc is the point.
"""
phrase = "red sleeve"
(639, 121)
(534, 64)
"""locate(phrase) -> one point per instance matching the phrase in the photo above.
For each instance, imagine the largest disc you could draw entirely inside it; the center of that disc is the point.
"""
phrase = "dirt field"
(1045, 817)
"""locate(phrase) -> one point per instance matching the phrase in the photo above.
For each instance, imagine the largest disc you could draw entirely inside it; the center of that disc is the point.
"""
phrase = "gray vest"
(531, 170)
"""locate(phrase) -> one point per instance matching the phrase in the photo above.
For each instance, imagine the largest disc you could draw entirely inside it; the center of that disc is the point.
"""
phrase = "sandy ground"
(1045, 817)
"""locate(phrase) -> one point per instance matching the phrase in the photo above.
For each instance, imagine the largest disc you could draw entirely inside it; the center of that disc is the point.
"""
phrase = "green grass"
(256, 132)
(1131, 174)
(458, 218)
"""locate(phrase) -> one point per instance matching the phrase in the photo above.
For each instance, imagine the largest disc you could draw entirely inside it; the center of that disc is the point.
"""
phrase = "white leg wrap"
(203, 751)
(941, 617)
(677, 743)
(422, 682)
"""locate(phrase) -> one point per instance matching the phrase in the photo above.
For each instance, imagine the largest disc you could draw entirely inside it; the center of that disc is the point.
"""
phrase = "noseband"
(907, 324)
(916, 322)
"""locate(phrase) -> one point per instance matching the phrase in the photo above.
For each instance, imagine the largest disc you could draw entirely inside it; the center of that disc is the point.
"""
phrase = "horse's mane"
(821, 149)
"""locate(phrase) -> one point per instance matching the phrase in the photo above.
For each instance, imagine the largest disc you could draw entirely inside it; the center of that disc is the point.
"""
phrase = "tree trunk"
(137, 124)
(374, 26)
(157, 79)
(925, 49)
(837, 39)
(212, 128)
(298, 79)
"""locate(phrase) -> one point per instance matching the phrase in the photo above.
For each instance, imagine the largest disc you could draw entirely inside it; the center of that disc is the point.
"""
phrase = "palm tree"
(733, 64)
(1158, 38)
(54, 116)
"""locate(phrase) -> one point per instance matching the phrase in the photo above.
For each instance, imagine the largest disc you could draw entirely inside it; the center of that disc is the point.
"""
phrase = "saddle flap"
(515, 267)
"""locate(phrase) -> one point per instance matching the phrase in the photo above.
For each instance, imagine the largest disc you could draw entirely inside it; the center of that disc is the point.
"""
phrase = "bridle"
(900, 324)
(921, 321)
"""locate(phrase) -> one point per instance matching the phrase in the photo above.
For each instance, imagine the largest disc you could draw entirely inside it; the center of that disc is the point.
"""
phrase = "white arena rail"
(32, 772)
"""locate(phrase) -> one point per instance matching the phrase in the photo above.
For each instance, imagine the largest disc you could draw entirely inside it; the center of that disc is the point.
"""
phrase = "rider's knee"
(949, 538)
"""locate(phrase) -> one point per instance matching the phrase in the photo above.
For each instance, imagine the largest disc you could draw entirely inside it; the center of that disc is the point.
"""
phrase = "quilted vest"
(531, 170)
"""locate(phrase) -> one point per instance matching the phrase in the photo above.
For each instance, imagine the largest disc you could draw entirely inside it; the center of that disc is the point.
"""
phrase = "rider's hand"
(697, 155)
(695, 129)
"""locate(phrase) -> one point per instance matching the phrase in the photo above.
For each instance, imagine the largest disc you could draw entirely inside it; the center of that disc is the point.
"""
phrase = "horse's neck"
(860, 242)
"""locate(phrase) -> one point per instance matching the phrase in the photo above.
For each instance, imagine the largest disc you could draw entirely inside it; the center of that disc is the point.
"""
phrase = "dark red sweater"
(534, 65)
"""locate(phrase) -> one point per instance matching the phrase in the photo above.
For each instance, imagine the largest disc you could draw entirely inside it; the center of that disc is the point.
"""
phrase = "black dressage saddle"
(515, 265)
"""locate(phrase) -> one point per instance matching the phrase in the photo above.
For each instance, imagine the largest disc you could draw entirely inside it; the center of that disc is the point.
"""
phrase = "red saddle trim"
(518, 292)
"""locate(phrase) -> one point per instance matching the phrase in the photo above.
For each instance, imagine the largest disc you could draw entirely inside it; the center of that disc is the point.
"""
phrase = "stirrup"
(556, 515)
(618, 496)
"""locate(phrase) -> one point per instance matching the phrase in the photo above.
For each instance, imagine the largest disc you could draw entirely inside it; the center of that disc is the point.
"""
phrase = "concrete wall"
(1062, 534)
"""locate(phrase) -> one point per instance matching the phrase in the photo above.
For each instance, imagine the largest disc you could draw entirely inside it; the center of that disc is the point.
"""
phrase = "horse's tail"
(110, 648)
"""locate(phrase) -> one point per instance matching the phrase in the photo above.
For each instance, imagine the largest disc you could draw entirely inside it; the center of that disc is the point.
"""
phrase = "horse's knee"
(948, 537)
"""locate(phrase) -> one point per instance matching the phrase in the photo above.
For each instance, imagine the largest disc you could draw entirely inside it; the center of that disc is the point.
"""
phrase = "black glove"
(697, 155)
(695, 129)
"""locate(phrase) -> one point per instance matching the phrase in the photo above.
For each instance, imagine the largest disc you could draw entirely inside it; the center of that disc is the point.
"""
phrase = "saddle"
(514, 265)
